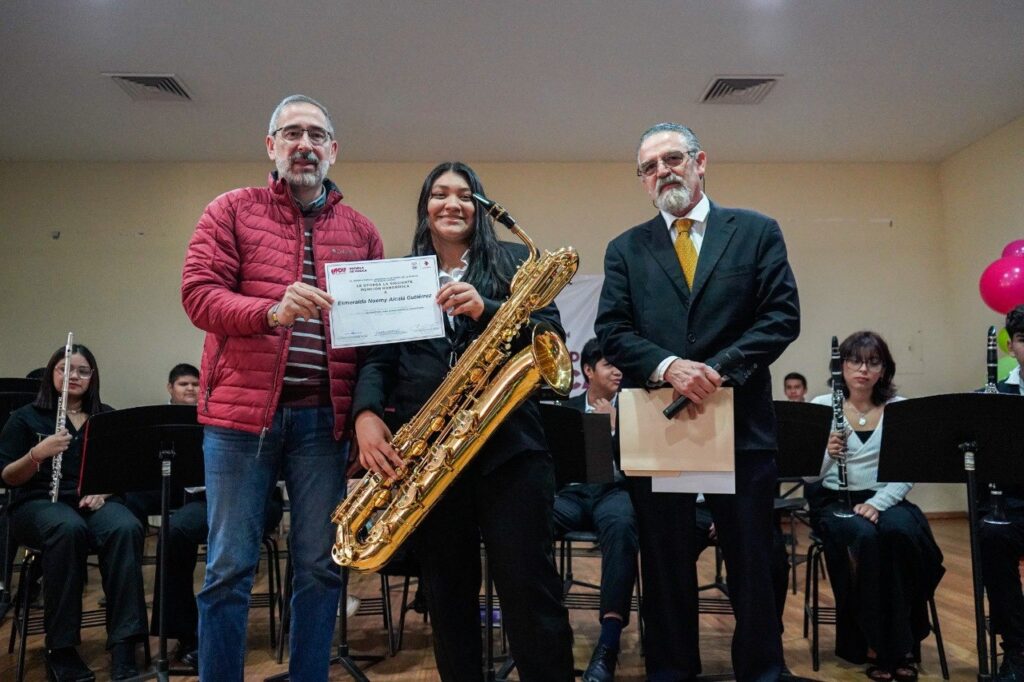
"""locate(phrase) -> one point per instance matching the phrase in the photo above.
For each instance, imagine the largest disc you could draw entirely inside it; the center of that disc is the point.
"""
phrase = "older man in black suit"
(682, 291)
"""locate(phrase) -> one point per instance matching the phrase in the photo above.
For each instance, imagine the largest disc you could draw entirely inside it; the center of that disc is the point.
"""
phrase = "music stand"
(133, 450)
(957, 438)
(580, 444)
(14, 393)
(802, 436)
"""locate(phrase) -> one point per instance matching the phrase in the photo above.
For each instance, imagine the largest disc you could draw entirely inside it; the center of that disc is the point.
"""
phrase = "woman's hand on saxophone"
(373, 438)
(836, 447)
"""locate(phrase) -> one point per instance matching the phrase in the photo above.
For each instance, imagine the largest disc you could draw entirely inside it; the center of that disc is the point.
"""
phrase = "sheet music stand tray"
(14, 393)
(957, 438)
(803, 434)
(580, 444)
(133, 450)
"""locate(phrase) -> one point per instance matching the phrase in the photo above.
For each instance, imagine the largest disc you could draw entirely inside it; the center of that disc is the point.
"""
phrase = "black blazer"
(1011, 389)
(577, 402)
(404, 376)
(744, 298)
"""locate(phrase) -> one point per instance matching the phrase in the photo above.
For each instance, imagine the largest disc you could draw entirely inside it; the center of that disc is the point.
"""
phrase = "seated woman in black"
(883, 562)
(66, 531)
(505, 495)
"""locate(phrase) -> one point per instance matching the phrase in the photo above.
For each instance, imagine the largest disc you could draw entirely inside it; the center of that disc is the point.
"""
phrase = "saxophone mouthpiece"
(495, 210)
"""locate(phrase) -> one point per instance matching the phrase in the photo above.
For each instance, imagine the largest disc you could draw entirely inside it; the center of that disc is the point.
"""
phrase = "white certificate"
(384, 301)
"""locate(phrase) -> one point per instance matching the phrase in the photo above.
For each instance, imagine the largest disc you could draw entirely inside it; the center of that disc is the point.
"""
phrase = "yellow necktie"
(685, 250)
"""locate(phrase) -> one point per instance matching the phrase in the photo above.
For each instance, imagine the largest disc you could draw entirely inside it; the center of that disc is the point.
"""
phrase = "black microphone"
(731, 358)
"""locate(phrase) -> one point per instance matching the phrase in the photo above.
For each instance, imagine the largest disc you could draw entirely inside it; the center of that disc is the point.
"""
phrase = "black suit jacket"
(577, 402)
(744, 299)
(1013, 496)
(404, 376)
(1004, 387)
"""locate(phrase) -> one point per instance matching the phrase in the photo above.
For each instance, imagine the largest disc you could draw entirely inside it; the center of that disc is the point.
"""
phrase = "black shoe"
(418, 603)
(122, 661)
(1011, 670)
(184, 647)
(65, 665)
(602, 665)
(191, 660)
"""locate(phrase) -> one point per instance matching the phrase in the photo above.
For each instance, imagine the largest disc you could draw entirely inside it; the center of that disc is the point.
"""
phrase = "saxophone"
(480, 391)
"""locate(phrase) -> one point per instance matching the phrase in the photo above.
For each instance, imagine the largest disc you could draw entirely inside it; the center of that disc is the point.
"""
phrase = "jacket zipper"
(209, 386)
(287, 335)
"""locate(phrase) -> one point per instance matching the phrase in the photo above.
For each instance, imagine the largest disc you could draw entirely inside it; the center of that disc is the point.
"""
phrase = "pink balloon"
(1014, 248)
(1002, 284)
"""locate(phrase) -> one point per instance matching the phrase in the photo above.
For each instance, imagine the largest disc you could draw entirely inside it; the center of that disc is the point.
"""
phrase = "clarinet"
(62, 419)
(995, 495)
(840, 425)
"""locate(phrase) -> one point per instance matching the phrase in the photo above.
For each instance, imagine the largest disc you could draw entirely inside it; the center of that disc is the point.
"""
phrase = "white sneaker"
(351, 606)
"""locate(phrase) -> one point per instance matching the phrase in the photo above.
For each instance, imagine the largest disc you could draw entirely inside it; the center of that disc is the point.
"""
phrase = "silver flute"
(62, 419)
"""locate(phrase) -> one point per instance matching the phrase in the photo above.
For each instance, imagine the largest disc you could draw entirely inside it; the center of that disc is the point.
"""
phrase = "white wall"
(895, 248)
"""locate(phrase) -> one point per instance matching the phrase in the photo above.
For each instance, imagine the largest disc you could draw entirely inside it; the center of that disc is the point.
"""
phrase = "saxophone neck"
(525, 238)
(500, 215)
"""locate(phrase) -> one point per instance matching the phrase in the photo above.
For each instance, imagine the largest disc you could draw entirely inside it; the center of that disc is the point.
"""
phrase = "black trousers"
(668, 550)
(1001, 550)
(66, 534)
(510, 508)
(607, 509)
(780, 558)
(186, 531)
(881, 573)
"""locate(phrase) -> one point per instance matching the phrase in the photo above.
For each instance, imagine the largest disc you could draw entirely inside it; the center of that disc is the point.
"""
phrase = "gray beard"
(674, 201)
(314, 179)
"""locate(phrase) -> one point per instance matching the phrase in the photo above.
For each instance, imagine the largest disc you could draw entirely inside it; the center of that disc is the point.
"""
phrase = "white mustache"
(308, 157)
(671, 178)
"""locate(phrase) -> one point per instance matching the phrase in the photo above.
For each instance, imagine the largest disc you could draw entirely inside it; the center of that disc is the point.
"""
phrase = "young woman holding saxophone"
(505, 495)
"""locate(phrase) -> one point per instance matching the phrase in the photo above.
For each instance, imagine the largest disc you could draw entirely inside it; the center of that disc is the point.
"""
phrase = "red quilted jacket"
(247, 248)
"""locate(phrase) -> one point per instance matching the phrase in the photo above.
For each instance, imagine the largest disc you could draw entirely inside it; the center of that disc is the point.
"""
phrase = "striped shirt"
(306, 383)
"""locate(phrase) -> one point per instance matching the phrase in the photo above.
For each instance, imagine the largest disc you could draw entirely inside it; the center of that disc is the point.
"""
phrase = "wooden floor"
(415, 663)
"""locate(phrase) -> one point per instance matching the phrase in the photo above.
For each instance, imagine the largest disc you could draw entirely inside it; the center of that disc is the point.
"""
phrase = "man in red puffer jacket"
(274, 396)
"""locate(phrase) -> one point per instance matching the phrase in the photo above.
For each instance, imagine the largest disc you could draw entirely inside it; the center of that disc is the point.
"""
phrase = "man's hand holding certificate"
(384, 301)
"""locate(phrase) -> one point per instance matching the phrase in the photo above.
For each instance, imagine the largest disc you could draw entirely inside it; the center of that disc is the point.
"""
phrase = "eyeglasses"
(672, 160)
(317, 136)
(80, 372)
(873, 364)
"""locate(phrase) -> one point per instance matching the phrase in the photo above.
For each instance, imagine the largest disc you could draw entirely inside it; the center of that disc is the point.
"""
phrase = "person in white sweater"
(883, 562)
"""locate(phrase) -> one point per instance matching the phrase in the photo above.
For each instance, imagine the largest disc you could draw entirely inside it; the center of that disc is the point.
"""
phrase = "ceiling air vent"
(151, 87)
(738, 89)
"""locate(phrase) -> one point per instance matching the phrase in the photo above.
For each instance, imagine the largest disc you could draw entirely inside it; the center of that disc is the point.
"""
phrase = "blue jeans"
(300, 448)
